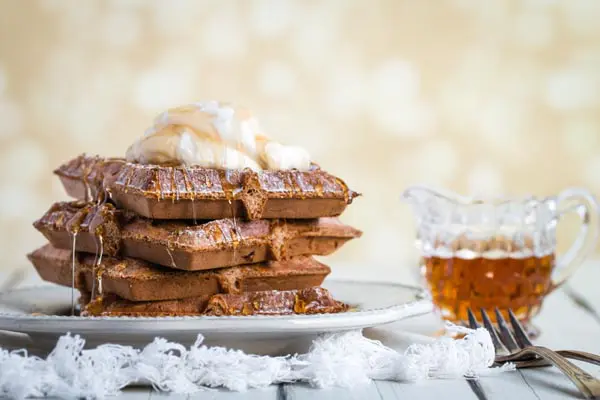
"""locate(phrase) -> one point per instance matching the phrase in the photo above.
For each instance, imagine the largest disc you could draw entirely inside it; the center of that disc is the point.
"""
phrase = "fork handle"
(581, 356)
(535, 362)
(586, 383)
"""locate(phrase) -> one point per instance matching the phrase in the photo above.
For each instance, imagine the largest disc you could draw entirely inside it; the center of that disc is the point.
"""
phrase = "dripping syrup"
(128, 180)
(194, 211)
(174, 187)
(169, 252)
(229, 195)
(73, 227)
(159, 193)
(217, 233)
(191, 190)
(235, 240)
(99, 268)
(319, 188)
(73, 273)
(94, 271)
(295, 186)
(344, 189)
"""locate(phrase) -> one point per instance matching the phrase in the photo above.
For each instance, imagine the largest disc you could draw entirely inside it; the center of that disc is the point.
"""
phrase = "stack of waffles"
(144, 239)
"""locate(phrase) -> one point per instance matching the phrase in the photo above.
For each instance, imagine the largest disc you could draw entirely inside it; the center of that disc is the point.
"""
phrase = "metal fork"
(519, 349)
(519, 339)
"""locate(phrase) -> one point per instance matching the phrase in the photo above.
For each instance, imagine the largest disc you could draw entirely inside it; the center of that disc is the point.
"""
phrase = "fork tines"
(507, 338)
(520, 333)
(503, 339)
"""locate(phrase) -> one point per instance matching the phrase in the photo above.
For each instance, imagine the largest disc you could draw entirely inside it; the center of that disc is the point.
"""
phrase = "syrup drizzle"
(194, 212)
(232, 209)
(128, 179)
(168, 248)
(294, 184)
(101, 198)
(235, 241)
(174, 186)
(73, 227)
(98, 269)
(224, 177)
(158, 183)
(190, 190)
(88, 189)
(73, 274)
(216, 233)
(344, 189)
(229, 195)
(319, 188)
(93, 272)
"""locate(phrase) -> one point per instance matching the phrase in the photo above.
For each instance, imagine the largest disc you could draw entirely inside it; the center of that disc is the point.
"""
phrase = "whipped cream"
(215, 135)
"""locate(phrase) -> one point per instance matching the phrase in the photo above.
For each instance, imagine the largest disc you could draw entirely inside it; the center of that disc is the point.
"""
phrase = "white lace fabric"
(341, 359)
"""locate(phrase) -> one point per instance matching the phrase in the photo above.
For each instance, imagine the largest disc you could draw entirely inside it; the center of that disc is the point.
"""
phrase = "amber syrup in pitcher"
(485, 274)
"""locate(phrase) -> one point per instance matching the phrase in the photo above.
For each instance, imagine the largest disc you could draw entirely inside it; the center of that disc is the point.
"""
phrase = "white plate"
(376, 304)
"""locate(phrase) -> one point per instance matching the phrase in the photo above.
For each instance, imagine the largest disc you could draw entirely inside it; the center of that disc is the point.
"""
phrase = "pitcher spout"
(419, 194)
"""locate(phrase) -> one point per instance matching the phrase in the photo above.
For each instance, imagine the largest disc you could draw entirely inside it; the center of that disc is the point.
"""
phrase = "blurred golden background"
(483, 97)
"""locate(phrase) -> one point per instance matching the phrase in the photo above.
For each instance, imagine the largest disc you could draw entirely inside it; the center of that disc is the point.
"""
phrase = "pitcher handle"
(588, 209)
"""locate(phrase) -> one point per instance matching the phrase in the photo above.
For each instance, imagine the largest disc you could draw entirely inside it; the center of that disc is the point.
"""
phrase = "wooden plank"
(549, 383)
(544, 383)
(442, 389)
(252, 394)
(305, 392)
(135, 393)
(509, 385)
(171, 396)
(147, 393)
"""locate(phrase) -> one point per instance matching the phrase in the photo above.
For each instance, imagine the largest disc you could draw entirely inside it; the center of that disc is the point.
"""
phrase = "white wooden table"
(565, 323)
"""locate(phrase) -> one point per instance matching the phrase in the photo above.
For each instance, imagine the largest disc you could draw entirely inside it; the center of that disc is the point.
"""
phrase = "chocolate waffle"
(103, 229)
(136, 280)
(314, 300)
(176, 192)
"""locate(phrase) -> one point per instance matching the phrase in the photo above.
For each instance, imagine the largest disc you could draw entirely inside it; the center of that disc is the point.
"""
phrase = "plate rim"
(256, 323)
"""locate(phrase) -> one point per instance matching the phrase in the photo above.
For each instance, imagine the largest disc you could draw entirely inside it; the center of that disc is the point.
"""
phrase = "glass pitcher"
(488, 253)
